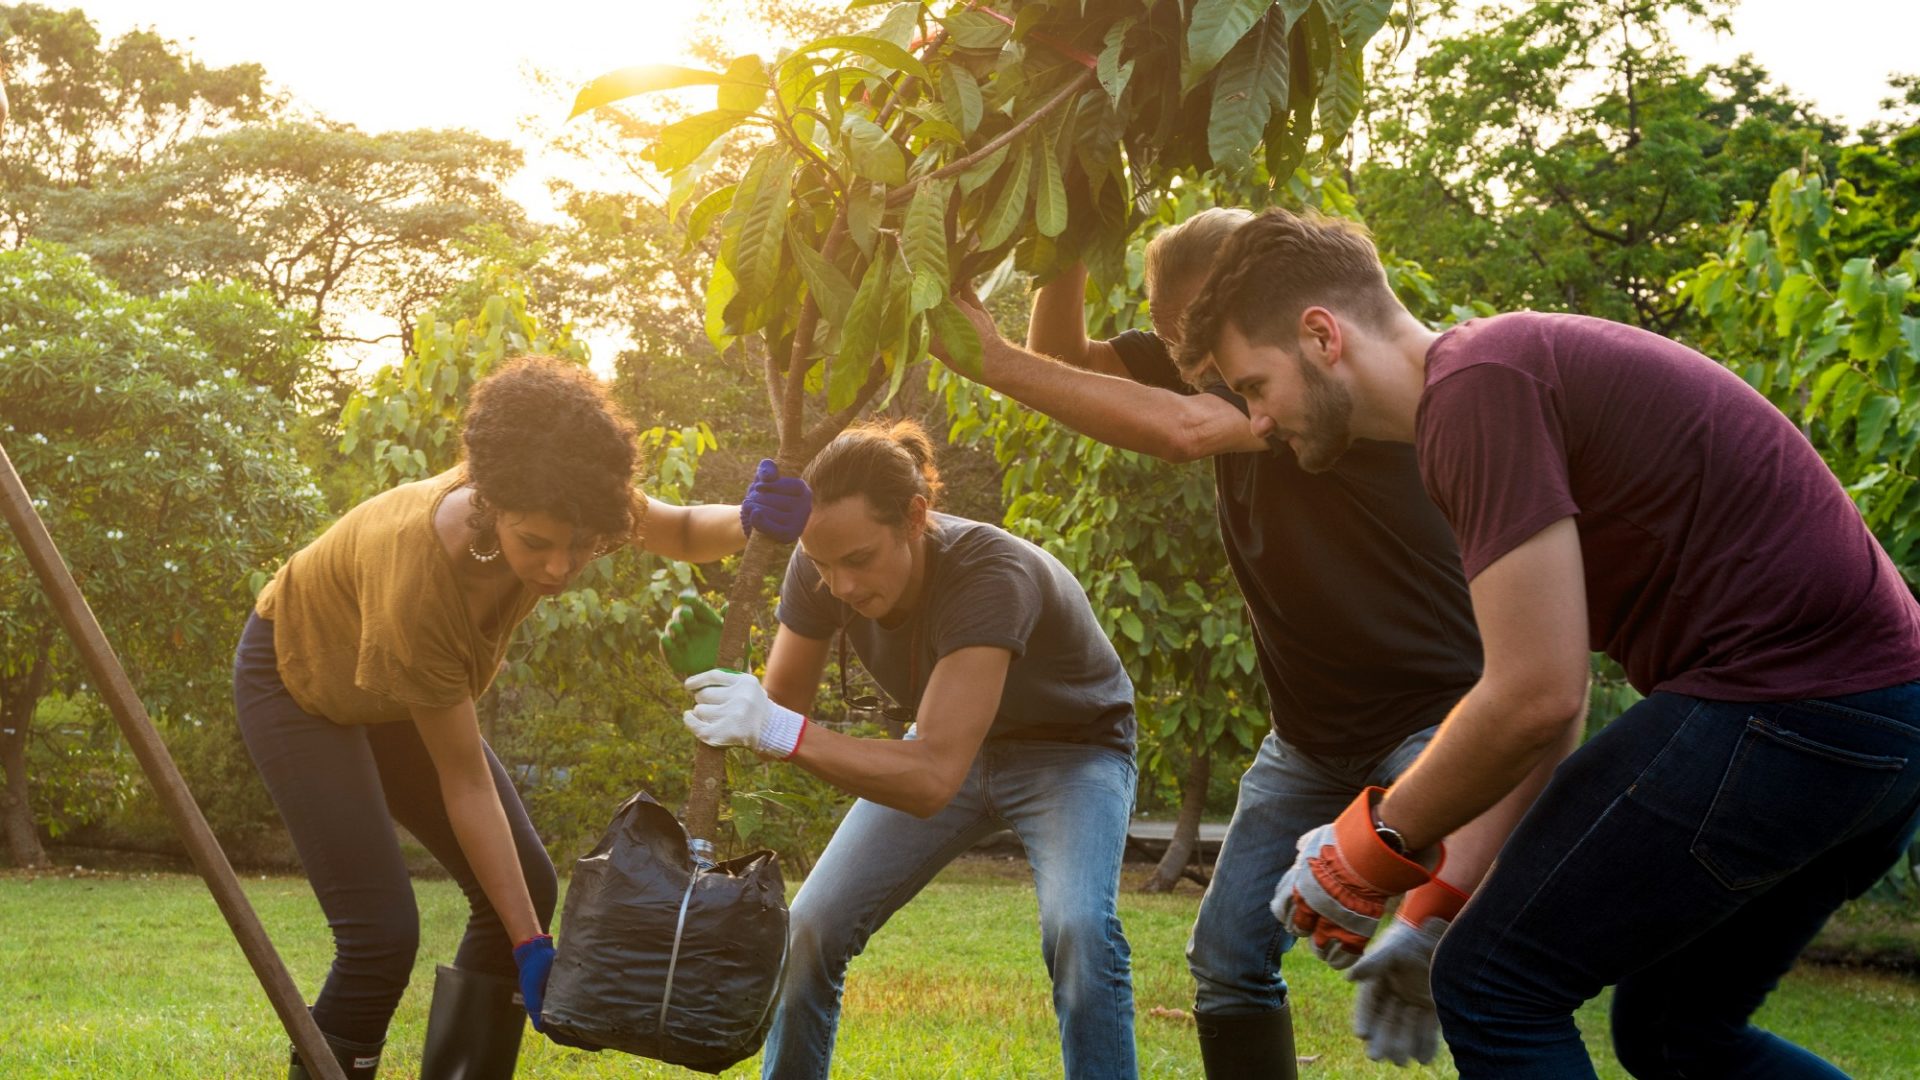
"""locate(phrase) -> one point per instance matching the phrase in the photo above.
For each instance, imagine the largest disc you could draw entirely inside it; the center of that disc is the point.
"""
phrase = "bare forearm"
(1116, 411)
(1471, 848)
(905, 774)
(1490, 744)
(1058, 324)
(480, 824)
(700, 533)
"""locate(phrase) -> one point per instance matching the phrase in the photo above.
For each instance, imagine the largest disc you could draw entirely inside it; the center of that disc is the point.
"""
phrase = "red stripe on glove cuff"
(1434, 900)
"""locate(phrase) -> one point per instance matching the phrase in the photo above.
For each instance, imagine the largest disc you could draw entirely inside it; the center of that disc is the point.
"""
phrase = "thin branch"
(833, 424)
(1067, 93)
(792, 411)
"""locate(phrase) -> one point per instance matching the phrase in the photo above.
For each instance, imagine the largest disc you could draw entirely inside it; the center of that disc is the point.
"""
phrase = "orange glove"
(1340, 884)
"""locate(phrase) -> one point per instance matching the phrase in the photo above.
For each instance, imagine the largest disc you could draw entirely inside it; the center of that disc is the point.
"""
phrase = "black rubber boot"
(1254, 1046)
(473, 1027)
(358, 1060)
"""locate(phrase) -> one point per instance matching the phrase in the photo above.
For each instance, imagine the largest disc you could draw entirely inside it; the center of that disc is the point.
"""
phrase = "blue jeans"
(1685, 856)
(1069, 805)
(1235, 950)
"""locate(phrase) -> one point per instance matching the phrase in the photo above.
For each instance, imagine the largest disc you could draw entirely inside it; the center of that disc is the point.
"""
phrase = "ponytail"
(888, 463)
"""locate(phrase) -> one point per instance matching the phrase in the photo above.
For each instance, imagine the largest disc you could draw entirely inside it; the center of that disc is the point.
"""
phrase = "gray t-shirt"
(985, 586)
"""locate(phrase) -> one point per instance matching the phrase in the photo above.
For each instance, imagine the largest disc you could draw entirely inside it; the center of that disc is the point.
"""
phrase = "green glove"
(691, 641)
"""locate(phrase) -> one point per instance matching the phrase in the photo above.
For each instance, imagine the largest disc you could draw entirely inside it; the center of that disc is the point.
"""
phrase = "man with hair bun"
(1612, 490)
(1022, 719)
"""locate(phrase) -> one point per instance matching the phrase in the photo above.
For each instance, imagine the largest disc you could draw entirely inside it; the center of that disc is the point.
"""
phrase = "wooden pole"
(158, 764)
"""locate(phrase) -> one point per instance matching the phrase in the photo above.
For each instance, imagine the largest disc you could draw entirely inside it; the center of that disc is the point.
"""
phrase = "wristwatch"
(1389, 835)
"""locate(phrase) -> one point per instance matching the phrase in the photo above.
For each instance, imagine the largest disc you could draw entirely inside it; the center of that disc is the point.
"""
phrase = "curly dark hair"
(543, 435)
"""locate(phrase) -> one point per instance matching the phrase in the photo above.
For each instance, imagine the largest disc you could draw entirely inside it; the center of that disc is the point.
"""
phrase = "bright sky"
(391, 64)
(405, 63)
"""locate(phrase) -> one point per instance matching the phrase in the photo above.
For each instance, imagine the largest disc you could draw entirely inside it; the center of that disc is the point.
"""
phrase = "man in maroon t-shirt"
(1611, 490)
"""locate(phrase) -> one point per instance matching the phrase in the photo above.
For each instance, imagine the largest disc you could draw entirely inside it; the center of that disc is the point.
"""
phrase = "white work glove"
(731, 709)
(1393, 1011)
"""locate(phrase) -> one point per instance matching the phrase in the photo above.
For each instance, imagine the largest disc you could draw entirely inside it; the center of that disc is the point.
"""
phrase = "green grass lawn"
(135, 976)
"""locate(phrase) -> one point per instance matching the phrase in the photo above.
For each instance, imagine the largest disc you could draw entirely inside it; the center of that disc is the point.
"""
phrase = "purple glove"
(535, 958)
(777, 504)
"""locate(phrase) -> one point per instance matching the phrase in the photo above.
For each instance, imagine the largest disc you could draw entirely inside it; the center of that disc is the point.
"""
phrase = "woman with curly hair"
(356, 678)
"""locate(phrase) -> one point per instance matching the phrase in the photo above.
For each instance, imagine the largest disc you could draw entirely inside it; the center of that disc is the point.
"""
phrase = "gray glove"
(1393, 1011)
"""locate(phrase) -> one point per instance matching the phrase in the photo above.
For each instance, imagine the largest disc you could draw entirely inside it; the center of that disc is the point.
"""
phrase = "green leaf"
(721, 290)
(1359, 20)
(644, 79)
(1872, 423)
(755, 234)
(975, 176)
(860, 336)
(1856, 283)
(928, 289)
(961, 93)
(864, 210)
(1131, 626)
(976, 30)
(1049, 190)
(681, 143)
(1113, 74)
(1251, 87)
(829, 286)
(1009, 207)
(1823, 385)
(899, 25)
(958, 338)
(938, 130)
(1341, 100)
(746, 84)
(1216, 27)
(874, 155)
(924, 238)
(886, 53)
(701, 219)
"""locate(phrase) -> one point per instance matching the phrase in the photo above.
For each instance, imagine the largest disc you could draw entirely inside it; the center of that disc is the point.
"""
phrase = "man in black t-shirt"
(1362, 624)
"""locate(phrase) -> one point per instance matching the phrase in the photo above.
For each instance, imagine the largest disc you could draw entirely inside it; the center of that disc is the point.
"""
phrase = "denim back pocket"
(1784, 800)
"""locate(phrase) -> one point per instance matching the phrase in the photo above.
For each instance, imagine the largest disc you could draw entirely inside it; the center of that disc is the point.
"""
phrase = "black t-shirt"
(1352, 579)
(986, 586)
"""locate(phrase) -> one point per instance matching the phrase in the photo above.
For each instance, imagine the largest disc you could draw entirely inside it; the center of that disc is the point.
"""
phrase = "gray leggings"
(339, 789)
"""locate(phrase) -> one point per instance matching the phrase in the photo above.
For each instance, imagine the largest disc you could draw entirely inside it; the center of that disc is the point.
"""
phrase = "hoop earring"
(484, 557)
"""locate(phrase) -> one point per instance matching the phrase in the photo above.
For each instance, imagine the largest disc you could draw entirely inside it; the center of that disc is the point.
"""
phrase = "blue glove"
(777, 504)
(535, 958)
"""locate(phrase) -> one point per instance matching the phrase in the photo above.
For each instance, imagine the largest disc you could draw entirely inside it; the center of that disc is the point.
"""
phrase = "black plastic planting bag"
(663, 958)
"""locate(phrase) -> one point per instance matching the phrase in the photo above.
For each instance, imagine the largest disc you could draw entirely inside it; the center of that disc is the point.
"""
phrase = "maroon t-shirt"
(1723, 560)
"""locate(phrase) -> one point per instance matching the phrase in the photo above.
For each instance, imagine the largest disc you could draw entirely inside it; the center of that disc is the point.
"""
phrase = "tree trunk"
(1186, 831)
(18, 699)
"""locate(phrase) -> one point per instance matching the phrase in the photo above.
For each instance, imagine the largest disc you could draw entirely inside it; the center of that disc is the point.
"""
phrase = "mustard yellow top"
(369, 619)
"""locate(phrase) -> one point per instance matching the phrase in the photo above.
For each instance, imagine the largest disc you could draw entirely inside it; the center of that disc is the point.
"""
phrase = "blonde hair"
(1182, 253)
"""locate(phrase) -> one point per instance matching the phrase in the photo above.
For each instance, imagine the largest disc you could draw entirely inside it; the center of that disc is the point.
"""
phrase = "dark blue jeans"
(339, 789)
(1684, 856)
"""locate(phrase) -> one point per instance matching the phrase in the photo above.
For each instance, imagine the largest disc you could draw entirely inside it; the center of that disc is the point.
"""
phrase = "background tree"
(943, 139)
(1566, 157)
(324, 218)
(1831, 337)
(84, 108)
(168, 482)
